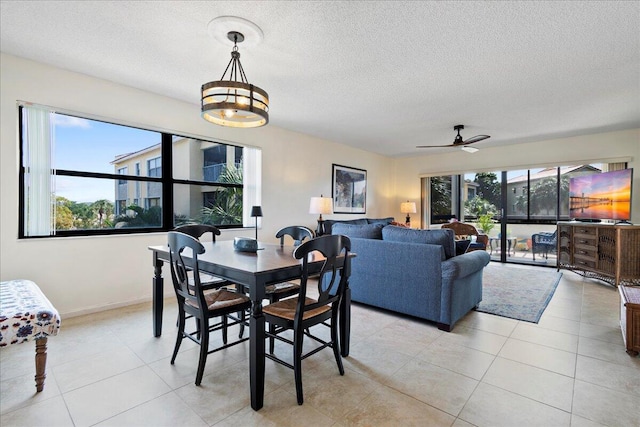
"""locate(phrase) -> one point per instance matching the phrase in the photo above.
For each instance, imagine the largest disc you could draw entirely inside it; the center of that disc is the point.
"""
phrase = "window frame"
(457, 203)
(166, 180)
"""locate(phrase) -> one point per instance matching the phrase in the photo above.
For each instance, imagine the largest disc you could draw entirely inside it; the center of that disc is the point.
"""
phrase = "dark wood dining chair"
(192, 300)
(302, 313)
(286, 289)
(283, 290)
(207, 280)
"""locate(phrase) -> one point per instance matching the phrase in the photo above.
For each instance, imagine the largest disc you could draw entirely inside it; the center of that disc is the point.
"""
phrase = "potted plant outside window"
(485, 223)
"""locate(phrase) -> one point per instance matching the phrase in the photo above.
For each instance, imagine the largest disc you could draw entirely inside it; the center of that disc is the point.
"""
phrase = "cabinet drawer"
(582, 262)
(588, 254)
(586, 231)
(584, 241)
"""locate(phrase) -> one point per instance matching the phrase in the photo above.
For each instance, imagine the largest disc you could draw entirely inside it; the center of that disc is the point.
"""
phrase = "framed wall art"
(349, 189)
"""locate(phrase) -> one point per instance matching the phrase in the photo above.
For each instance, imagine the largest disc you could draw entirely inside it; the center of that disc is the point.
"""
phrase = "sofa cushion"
(368, 231)
(442, 237)
(328, 224)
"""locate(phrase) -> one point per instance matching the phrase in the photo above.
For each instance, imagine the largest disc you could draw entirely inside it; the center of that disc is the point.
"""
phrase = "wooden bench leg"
(41, 363)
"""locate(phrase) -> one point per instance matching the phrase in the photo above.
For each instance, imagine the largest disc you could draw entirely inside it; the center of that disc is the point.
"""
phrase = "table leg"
(256, 355)
(158, 297)
(41, 363)
(345, 322)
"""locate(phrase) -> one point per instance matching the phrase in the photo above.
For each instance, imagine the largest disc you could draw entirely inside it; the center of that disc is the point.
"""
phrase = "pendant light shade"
(234, 102)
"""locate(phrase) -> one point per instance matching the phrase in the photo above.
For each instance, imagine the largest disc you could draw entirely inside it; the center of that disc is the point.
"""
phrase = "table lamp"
(256, 211)
(320, 205)
(408, 208)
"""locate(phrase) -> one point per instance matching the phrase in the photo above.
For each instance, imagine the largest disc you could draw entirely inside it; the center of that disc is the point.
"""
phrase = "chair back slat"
(297, 232)
(180, 266)
(198, 230)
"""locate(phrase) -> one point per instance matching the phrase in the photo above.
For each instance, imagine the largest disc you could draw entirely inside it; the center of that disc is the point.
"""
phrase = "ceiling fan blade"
(458, 142)
(435, 146)
(476, 138)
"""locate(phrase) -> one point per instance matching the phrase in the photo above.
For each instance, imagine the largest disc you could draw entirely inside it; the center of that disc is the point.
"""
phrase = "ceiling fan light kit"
(459, 142)
(234, 102)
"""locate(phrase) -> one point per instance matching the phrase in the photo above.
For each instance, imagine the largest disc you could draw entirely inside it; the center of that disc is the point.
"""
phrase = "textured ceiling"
(383, 76)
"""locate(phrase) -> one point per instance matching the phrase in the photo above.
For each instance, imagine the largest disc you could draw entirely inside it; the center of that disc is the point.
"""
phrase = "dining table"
(271, 263)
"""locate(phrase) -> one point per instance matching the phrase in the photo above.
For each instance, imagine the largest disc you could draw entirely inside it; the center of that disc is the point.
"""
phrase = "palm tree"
(104, 209)
(227, 207)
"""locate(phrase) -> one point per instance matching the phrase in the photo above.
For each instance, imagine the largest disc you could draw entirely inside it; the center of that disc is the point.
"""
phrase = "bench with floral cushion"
(27, 315)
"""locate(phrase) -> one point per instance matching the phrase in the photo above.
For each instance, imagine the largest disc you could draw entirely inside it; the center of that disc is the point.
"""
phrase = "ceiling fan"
(459, 142)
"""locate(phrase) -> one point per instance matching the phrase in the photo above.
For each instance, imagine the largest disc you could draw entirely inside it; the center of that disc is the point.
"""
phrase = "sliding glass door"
(517, 209)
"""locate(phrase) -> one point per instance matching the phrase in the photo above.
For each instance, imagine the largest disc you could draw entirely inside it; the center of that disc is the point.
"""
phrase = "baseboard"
(99, 308)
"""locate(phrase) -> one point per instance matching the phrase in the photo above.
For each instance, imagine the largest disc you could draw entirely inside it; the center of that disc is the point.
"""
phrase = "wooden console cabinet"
(603, 251)
(630, 318)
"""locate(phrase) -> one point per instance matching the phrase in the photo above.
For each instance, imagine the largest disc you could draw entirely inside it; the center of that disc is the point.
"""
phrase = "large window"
(530, 195)
(80, 176)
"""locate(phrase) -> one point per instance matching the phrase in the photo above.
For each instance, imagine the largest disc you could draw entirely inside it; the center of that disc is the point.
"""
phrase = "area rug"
(516, 292)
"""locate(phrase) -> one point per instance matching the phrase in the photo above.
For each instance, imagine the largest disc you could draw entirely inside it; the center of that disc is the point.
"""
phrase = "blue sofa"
(415, 272)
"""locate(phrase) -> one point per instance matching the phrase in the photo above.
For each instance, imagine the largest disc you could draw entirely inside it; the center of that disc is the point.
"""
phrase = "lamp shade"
(321, 205)
(408, 207)
(256, 211)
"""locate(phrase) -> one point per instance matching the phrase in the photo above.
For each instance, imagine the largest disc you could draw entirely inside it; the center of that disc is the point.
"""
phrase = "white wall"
(85, 274)
(565, 151)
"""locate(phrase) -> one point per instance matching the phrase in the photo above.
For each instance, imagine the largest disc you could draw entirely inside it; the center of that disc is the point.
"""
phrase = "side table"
(630, 318)
(512, 242)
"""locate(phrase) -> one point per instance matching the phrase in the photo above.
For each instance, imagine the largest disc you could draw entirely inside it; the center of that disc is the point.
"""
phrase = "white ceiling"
(383, 76)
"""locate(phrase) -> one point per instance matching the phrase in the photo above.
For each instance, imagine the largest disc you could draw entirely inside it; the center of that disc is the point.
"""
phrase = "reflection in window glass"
(441, 192)
(207, 204)
(198, 160)
(482, 192)
(517, 193)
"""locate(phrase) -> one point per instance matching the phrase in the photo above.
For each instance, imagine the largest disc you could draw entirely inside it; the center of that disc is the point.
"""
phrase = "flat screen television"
(601, 196)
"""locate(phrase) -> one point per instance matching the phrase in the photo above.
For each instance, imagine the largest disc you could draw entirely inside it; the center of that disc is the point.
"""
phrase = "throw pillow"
(329, 223)
(462, 246)
(383, 221)
(443, 237)
(369, 231)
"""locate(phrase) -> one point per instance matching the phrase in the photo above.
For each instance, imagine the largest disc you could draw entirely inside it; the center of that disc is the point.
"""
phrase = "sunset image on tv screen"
(601, 196)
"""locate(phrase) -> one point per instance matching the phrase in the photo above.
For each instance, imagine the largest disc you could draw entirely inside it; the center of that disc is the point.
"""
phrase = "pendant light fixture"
(233, 101)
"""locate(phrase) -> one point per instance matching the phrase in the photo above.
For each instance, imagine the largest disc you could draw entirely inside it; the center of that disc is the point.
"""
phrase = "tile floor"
(569, 370)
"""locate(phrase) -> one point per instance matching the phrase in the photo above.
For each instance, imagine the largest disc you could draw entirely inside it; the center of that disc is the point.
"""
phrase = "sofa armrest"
(464, 265)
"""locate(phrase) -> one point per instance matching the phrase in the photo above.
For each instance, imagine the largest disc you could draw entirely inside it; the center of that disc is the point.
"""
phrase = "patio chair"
(464, 231)
(543, 243)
